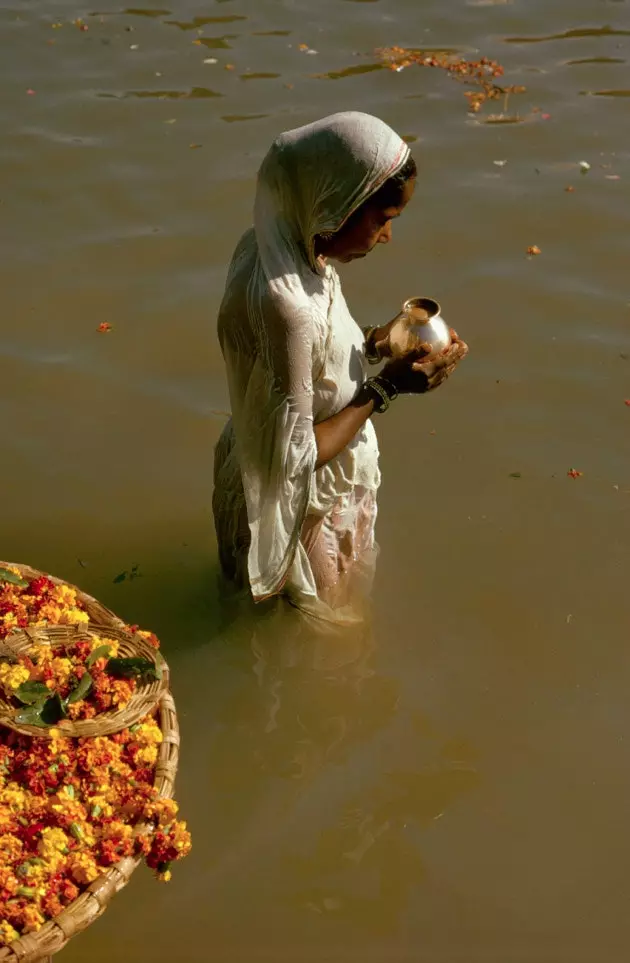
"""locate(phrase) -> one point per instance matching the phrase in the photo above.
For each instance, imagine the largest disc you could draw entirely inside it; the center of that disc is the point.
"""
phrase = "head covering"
(310, 182)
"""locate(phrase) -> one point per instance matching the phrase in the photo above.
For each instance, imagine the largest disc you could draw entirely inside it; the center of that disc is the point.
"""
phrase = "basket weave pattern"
(143, 700)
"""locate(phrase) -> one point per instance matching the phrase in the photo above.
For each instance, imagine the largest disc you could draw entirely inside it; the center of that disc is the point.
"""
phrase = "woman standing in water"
(296, 468)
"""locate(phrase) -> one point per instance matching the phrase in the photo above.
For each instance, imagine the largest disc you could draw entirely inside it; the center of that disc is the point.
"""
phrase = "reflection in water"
(311, 703)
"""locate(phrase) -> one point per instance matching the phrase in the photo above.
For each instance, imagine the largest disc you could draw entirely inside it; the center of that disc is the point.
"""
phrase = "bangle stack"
(371, 354)
(383, 392)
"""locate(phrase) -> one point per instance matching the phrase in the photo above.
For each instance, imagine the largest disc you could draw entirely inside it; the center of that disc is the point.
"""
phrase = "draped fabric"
(294, 357)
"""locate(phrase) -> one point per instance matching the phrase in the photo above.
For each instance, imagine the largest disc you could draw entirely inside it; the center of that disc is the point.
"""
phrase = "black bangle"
(383, 393)
(371, 355)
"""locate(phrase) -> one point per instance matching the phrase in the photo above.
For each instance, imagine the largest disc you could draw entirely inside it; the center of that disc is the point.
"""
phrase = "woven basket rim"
(92, 903)
(144, 699)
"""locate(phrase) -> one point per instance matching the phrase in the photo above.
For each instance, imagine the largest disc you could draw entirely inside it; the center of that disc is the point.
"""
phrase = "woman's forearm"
(334, 434)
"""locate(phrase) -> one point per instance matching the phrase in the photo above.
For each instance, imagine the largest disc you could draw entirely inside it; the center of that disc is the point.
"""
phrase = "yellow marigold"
(117, 830)
(97, 642)
(163, 811)
(9, 620)
(84, 868)
(63, 669)
(64, 595)
(100, 806)
(74, 617)
(12, 676)
(147, 756)
(10, 848)
(165, 877)
(53, 842)
(147, 734)
(33, 919)
(41, 653)
(7, 933)
(8, 881)
(50, 612)
(13, 797)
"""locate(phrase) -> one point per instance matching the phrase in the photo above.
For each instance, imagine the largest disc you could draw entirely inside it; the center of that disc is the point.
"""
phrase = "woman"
(296, 468)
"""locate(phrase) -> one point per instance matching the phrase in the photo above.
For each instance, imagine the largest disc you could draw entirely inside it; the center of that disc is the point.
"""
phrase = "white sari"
(295, 357)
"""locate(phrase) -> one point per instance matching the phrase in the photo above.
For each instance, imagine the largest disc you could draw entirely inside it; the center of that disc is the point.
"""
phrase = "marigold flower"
(13, 676)
(7, 933)
(83, 867)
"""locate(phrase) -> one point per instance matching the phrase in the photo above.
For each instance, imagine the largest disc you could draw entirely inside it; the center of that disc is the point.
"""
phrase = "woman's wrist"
(383, 392)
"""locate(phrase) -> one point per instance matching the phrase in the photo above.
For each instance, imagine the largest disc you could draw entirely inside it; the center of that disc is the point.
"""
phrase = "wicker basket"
(143, 700)
(98, 614)
(54, 935)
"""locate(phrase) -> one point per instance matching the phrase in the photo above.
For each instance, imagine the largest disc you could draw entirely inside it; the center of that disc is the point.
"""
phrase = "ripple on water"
(353, 71)
(595, 60)
(577, 33)
(241, 118)
(260, 76)
(605, 93)
(197, 22)
(195, 93)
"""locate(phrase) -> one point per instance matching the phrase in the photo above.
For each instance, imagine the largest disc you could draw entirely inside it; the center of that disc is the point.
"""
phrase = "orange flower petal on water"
(533, 250)
(574, 473)
(104, 327)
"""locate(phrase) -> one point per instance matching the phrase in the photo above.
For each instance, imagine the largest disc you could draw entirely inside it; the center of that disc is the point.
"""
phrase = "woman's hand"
(412, 375)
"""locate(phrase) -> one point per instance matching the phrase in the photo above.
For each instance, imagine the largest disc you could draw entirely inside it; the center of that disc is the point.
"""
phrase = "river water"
(453, 784)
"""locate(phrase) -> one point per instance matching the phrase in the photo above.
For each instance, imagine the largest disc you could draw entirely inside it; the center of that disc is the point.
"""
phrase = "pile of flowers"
(69, 810)
(36, 601)
(72, 808)
(75, 681)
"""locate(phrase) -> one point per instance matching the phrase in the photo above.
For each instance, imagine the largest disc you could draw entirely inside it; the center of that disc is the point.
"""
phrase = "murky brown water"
(453, 786)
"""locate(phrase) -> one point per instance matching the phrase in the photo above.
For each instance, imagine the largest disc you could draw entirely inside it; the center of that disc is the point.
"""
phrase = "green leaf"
(44, 714)
(84, 686)
(32, 693)
(515, 474)
(100, 653)
(134, 668)
(96, 811)
(120, 578)
(7, 576)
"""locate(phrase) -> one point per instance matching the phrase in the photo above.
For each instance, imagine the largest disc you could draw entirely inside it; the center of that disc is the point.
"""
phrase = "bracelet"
(385, 391)
(371, 355)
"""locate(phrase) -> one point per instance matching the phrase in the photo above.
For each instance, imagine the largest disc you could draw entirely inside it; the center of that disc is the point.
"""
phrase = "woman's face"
(367, 227)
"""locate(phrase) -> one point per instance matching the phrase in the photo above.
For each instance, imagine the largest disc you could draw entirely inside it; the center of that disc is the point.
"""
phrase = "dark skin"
(369, 226)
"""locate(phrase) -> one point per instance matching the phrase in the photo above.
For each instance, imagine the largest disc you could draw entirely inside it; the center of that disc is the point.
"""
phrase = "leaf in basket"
(45, 714)
(6, 575)
(134, 668)
(81, 690)
(99, 653)
(32, 693)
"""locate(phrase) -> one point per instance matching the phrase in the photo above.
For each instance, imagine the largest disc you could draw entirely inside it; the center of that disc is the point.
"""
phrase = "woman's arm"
(334, 434)
(410, 375)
